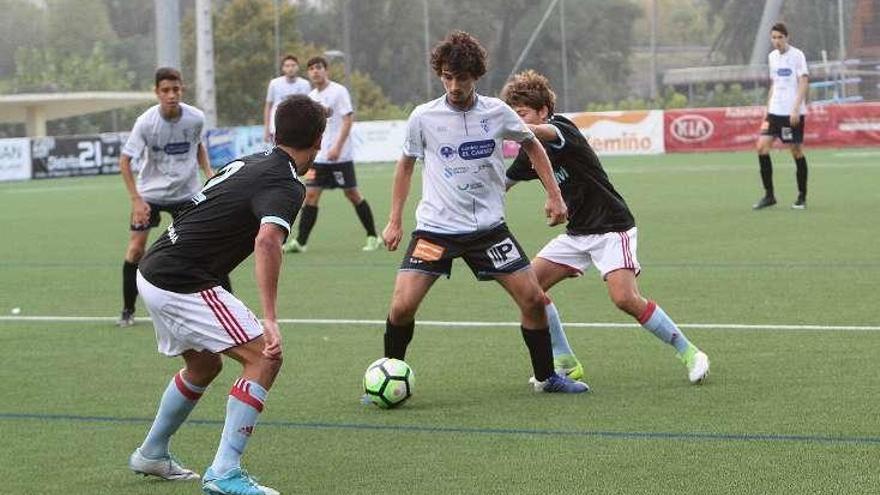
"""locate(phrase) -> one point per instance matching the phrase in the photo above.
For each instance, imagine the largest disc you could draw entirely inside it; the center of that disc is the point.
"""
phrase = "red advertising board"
(737, 128)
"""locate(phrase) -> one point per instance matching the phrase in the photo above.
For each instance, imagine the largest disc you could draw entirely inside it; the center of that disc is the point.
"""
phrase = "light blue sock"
(656, 321)
(179, 399)
(242, 410)
(557, 333)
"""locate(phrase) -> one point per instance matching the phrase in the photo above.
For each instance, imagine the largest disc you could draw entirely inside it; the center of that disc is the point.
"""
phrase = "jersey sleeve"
(801, 68)
(521, 168)
(343, 103)
(278, 205)
(513, 128)
(270, 98)
(414, 144)
(137, 141)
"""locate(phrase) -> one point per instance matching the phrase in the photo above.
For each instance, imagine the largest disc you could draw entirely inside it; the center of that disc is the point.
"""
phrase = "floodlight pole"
(167, 33)
(205, 63)
(277, 60)
(653, 49)
(427, 50)
(522, 56)
(565, 102)
(841, 42)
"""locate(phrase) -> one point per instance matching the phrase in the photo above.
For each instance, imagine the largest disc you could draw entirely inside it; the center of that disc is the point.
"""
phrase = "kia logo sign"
(692, 128)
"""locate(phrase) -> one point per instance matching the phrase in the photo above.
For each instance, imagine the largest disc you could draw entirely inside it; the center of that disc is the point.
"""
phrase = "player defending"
(461, 213)
(600, 231)
(334, 166)
(246, 208)
(289, 83)
(167, 141)
(786, 110)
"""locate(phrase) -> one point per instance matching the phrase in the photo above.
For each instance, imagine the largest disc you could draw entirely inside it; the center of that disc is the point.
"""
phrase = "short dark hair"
(317, 60)
(289, 57)
(780, 27)
(167, 74)
(460, 53)
(299, 121)
(530, 89)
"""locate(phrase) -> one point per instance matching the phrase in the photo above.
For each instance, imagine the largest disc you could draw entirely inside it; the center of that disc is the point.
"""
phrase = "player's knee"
(353, 195)
(534, 303)
(272, 365)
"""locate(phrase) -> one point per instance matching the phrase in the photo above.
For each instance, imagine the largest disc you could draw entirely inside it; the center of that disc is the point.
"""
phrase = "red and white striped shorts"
(212, 320)
(608, 252)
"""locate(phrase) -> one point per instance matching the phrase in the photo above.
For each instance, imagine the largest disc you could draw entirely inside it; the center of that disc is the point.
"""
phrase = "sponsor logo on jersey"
(503, 253)
(474, 150)
(560, 174)
(473, 186)
(172, 234)
(450, 172)
(427, 251)
(783, 72)
(692, 128)
(177, 148)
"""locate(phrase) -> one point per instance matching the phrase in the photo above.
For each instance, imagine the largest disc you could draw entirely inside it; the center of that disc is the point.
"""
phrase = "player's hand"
(272, 339)
(391, 235)
(795, 119)
(556, 211)
(333, 154)
(140, 212)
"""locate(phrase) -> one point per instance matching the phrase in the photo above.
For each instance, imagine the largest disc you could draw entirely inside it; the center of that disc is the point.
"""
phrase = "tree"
(22, 26)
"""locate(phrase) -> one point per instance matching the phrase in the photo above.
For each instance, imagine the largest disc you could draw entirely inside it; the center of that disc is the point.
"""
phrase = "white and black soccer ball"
(388, 382)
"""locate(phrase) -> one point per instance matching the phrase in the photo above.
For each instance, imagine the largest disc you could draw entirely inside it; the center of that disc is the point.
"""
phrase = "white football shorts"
(212, 320)
(608, 252)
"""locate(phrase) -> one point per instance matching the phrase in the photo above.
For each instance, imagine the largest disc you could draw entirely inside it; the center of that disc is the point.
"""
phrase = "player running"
(166, 140)
(461, 213)
(786, 115)
(246, 208)
(601, 230)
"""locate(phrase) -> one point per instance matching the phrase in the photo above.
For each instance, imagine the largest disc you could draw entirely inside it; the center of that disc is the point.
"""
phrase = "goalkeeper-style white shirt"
(463, 182)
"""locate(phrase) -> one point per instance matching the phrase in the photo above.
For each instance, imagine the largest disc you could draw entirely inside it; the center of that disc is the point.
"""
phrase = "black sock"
(766, 173)
(366, 216)
(306, 223)
(540, 350)
(801, 174)
(226, 283)
(129, 285)
(397, 338)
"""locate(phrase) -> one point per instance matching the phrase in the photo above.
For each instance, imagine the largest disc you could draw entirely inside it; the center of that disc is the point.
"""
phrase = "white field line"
(471, 324)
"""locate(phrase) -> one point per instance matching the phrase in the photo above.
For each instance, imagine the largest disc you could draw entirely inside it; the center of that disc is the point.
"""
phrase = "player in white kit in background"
(166, 143)
(334, 166)
(289, 83)
(786, 111)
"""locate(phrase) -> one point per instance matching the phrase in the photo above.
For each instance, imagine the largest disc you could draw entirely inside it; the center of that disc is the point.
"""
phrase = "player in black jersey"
(247, 207)
(600, 231)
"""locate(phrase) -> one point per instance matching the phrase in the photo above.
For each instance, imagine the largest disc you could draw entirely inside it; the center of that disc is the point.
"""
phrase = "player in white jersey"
(289, 83)
(786, 110)
(166, 140)
(461, 214)
(334, 167)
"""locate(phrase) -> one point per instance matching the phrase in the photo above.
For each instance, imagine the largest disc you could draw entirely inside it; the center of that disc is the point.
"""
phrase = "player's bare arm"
(267, 254)
(344, 132)
(546, 133)
(554, 208)
(803, 85)
(204, 163)
(393, 231)
(267, 113)
(140, 210)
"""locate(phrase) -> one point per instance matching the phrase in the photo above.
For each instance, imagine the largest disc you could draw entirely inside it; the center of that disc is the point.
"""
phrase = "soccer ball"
(388, 382)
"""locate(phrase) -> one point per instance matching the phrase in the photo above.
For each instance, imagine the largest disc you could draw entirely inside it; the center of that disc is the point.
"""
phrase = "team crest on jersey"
(484, 123)
(446, 152)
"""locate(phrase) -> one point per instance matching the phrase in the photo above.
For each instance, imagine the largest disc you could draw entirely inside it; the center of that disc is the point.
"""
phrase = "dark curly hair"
(459, 53)
(530, 89)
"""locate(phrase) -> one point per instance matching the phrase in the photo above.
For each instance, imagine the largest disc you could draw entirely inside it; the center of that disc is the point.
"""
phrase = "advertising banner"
(378, 141)
(738, 128)
(229, 143)
(15, 159)
(70, 156)
(622, 133)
